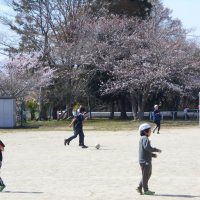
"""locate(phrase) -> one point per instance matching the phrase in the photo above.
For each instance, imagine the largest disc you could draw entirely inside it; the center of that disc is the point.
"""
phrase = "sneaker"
(2, 187)
(139, 190)
(66, 142)
(148, 192)
(158, 132)
(84, 146)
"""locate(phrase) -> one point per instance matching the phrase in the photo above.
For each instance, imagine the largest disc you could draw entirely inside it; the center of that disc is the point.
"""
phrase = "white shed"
(7, 112)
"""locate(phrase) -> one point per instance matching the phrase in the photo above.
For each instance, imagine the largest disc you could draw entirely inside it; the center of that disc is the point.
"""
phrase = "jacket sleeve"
(147, 146)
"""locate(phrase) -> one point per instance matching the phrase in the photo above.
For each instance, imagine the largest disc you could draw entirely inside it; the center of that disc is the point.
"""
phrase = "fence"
(172, 115)
(192, 114)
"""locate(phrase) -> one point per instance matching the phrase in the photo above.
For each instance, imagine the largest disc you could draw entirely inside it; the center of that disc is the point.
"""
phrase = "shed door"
(7, 113)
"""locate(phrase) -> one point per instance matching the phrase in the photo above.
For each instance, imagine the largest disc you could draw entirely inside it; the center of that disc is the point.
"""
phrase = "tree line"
(108, 55)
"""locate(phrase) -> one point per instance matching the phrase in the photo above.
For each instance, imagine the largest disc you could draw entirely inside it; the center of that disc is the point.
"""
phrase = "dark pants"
(146, 169)
(81, 137)
(186, 116)
(157, 125)
(1, 181)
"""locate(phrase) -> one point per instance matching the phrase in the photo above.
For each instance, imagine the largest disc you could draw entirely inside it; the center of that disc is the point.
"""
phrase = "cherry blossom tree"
(138, 57)
(24, 73)
(162, 59)
(143, 57)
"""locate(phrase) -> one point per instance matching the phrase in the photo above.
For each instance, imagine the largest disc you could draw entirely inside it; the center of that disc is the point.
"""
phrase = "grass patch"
(96, 125)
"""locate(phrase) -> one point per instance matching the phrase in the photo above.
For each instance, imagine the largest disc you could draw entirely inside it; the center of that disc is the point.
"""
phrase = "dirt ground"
(38, 166)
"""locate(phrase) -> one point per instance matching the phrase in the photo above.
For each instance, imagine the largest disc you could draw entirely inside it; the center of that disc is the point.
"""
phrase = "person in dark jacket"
(77, 124)
(156, 119)
(145, 158)
(2, 185)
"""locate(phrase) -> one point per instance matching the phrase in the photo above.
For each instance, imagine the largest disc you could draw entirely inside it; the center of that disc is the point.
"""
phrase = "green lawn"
(96, 125)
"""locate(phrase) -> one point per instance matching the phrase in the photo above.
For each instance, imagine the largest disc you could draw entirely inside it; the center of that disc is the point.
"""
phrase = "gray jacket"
(146, 150)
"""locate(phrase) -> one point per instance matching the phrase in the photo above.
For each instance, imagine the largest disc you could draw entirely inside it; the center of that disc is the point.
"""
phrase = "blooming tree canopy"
(143, 57)
(24, 73)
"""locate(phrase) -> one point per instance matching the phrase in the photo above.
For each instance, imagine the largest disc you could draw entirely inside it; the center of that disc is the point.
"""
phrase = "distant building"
(7, 112)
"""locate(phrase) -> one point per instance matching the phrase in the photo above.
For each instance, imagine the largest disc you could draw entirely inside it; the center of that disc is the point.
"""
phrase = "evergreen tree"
(140, 8)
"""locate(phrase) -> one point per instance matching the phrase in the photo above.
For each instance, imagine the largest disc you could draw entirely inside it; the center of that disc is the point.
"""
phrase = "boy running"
(77, 124)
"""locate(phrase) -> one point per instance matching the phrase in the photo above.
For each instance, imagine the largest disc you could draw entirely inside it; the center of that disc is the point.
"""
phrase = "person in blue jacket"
(156, 119)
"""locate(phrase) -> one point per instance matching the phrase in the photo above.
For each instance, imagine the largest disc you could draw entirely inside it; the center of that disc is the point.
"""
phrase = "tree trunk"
(32, 115)
(141, 105)
(140, 112)
(123, 108)
(55, 112)
(69, 107)
(112, 110)
(41, 105)
(134, 107)
(89, 108)
(69, 100)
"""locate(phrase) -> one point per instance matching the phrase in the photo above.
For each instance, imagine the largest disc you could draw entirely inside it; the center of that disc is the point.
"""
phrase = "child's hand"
(154, 155)
(70, 125)
(159, 151)
(1, 148)
(2, 145)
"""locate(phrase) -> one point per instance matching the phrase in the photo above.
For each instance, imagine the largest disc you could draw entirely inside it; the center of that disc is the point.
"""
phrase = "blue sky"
(185, 10)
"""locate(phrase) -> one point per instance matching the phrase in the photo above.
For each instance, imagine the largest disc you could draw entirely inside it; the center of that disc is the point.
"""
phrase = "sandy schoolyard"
(37, 166)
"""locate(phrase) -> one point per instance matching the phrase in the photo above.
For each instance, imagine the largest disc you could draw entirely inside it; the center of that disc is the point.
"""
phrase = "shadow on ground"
(22, 192)
(176, 195)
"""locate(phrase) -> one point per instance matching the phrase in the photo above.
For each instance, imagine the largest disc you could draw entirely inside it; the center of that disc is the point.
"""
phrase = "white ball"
(97, 146)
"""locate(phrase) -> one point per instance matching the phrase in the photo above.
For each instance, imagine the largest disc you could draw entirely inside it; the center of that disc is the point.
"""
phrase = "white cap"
(155, 106)
(144, 126)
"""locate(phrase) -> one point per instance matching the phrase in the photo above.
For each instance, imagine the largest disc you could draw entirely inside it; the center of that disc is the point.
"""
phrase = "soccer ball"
(97, 146)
